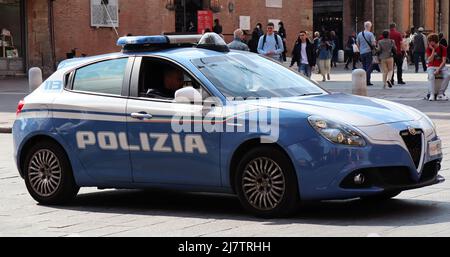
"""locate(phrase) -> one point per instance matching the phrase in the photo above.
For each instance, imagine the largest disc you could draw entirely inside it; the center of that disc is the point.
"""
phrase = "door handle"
(141, 115)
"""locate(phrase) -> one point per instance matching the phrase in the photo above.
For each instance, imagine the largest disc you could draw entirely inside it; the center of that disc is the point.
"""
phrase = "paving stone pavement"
(420, 212)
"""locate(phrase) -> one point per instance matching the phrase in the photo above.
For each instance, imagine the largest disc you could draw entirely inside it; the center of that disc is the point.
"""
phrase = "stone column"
(348, 22)
(445, 16)
(383, 14)
(430, 15)
(39, 42)
(401, 14)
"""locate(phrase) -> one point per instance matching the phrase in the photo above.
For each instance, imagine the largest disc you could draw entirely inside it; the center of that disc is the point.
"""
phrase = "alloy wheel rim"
(263, 183)
(44, 172)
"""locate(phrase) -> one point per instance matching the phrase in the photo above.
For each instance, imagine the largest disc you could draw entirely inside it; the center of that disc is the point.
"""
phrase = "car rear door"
(161, 154)
(90, 116)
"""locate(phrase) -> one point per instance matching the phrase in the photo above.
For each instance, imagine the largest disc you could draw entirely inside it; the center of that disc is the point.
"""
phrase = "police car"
(184, 112)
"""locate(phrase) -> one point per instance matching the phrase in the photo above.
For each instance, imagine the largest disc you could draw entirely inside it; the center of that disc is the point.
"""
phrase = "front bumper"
(393, 178)
(326, 171)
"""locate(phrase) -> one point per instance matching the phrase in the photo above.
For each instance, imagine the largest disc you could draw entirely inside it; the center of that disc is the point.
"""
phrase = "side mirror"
(34, 78)
(188, 95)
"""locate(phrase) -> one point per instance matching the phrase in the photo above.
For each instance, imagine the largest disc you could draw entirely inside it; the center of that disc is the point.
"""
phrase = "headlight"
(338, 133)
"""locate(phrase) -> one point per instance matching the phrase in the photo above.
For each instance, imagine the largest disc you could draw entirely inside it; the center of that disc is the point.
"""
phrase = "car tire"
(266, 183)
(48, 174)
(387, 195)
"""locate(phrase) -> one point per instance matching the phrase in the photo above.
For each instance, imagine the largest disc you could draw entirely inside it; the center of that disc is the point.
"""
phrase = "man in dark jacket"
(303, 54)
(420, 44)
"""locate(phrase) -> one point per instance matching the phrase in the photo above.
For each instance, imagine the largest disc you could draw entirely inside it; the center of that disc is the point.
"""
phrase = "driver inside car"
(173, 79)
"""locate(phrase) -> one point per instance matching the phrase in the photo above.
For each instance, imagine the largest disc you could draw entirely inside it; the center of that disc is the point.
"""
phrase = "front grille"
(414, 145)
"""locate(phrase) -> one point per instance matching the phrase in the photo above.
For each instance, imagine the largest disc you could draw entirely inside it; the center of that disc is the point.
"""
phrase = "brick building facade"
(48, 31)
(53, 28)
(433, 15)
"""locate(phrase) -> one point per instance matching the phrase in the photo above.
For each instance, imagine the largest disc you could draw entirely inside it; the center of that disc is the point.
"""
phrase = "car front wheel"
(266, 183)
(48, 174)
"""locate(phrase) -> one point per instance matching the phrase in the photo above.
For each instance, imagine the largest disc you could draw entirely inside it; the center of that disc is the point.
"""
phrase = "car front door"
(158, 152)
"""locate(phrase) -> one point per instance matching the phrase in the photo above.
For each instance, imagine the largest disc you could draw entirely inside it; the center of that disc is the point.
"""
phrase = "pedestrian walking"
(253, 42)
(386, 52)
(334, 38)
(406, 48)
(316, 43)
(442, 40)
(352, 51)
(437, 57)
(325, 54)
(191, 27)
(270, 44)
(303, 54)
(366, 43)
(282, 33)
(419, 43)
(399, 55)
(238, 41)
(411, 33)
(217, 27)
(260, 30)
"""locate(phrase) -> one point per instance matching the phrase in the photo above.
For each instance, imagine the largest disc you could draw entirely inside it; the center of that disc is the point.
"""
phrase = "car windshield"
(252, 76)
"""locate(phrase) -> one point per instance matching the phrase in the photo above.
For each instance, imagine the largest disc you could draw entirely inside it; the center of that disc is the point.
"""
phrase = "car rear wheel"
(48, 174)
(266, 183)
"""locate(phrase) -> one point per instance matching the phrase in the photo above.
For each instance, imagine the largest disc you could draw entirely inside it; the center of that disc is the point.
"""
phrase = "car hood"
(354, 110)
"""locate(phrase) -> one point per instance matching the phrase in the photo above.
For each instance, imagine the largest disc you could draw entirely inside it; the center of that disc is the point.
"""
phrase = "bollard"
(437, 86)
(359, 85)
(34, 78)
(341, 56)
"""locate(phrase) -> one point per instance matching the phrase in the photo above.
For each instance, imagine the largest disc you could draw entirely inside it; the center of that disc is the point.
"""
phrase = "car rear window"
(104, 77)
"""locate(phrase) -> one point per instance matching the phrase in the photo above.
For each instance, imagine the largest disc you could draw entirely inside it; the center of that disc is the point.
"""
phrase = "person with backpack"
(271, 44)
(437, 57)
(366, 43)
(420, 44)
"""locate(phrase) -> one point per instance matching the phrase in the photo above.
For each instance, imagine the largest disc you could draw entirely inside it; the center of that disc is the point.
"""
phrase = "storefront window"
(10, 29)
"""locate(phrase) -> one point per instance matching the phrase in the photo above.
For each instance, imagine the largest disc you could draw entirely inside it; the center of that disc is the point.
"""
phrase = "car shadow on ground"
(395, 212)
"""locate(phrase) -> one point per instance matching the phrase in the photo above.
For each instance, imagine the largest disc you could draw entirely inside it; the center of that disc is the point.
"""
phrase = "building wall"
(73, 25)
(72, 30)
(38, 33)
(297, 15)
(71, 22)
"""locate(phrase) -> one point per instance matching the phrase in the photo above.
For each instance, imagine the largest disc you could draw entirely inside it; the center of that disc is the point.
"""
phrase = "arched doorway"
(328, 16)
(185, 12)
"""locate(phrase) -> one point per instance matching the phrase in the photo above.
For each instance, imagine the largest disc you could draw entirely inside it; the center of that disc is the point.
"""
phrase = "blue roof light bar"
(142, 40)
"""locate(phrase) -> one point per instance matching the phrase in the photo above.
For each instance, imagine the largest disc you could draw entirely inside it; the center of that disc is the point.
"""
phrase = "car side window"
(104, 77)
(160, 79)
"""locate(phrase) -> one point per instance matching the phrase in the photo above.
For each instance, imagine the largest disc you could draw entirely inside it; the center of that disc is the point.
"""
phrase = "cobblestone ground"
(421, 212)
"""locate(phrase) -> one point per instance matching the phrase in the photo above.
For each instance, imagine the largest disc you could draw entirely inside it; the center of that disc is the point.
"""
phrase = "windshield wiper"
(308, 94)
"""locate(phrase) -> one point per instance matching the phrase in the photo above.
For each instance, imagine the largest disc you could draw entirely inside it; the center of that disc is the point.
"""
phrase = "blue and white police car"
(180, 112)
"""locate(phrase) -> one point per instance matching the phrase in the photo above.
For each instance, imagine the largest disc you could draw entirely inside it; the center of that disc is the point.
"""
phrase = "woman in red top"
(437, 57)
